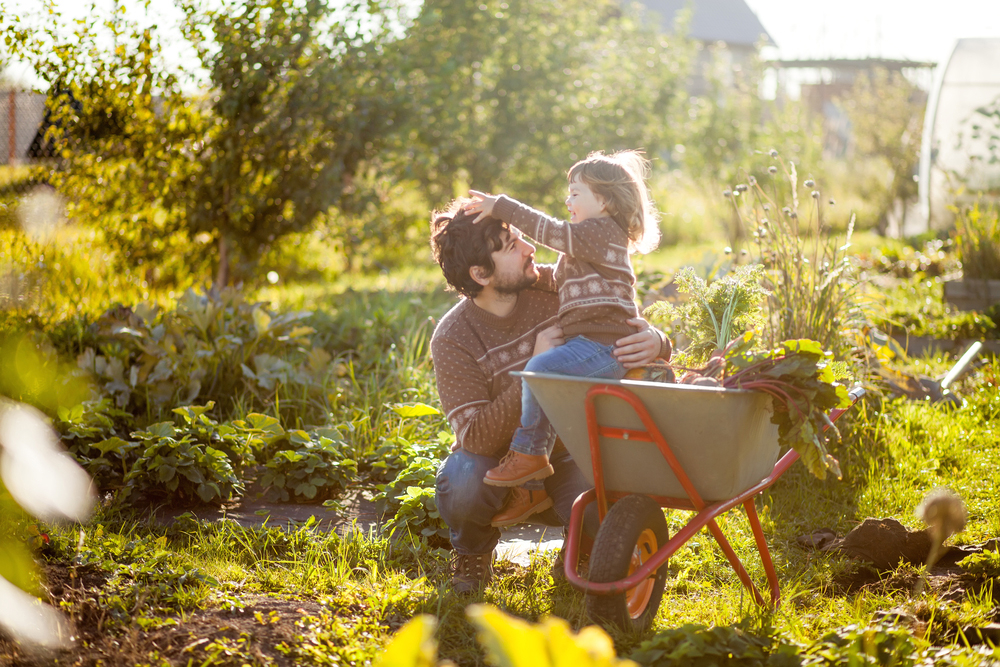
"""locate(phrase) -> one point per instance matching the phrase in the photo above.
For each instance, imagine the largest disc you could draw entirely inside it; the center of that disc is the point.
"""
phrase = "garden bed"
(921, 346)
(978, 295)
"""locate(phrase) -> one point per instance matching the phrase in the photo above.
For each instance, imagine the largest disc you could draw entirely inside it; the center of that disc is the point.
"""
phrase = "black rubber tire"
(614, 546)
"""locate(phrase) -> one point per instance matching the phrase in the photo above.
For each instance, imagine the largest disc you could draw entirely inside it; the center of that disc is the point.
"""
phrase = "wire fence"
(22, 117)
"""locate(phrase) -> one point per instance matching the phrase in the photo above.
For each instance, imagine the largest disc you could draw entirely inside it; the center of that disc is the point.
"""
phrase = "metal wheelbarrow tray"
(650, 445)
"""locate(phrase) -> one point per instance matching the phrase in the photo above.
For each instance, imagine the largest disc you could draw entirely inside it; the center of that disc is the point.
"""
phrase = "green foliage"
(57, 284)
(306, 467)
(915, 307)
(886, 112)
(141, 573)
(799, 378)
(117, 117)
(199, 461)
(509, 94)
(716, 312)
(700, 646)
(728, 127)
(855, 645)
(411, 503)
(413, 645)
(814, 292)
(984, 564)
(511, 642)
(31, 370)
(90, 431)
(300, 96)
(977, 241)
(210, 348)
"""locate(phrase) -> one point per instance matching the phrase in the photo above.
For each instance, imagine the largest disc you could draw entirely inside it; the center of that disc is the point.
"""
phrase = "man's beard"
(508, 286)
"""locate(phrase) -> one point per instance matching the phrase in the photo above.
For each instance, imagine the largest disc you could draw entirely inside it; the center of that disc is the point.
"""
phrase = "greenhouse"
(960, 158)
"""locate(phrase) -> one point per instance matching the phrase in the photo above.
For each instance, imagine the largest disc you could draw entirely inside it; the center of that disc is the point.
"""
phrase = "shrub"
(812, 283)
(411, 503)
(207, 349)
(977, 240)
(716, 312)
(304, 466)
(90, 431)
(199, 461)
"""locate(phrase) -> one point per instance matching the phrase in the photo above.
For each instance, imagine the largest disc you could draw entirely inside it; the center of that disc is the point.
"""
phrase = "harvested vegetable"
(798, 376)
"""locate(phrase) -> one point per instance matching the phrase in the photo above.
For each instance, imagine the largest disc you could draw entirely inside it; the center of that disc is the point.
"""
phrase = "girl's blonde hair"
(620, 180)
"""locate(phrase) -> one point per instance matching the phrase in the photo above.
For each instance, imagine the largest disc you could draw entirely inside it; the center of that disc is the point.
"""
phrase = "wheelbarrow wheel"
(633, 530)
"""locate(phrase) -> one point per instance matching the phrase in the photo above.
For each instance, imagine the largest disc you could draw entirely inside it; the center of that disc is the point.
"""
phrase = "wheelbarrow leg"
(735, 561)
(765, 554)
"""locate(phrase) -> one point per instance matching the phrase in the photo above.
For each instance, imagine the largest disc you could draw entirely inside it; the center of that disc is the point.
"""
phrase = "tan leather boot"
(521, 504)
(516, 468)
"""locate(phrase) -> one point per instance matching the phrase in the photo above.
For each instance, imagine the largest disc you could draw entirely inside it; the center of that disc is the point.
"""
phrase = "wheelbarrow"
(646, 446)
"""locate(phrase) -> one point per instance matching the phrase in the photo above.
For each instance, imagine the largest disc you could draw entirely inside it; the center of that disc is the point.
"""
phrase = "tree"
(114, 119)
(886, 113)
(300, 96)
(509, 93)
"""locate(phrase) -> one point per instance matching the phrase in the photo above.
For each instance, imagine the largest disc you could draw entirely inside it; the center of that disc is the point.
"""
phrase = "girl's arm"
(599, 241)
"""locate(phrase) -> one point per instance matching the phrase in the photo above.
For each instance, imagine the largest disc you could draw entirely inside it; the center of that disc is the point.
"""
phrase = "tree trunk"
(222, 274)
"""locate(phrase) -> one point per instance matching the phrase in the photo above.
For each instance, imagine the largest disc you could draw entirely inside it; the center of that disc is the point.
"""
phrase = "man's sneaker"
(516, 468)
(521, 504)
(471, 572)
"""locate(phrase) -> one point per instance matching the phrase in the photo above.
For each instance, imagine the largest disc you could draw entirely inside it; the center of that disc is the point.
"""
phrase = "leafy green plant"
(699, 646)
(209, 347)
(305, 466)
(411, 503)
(715, 312)
(509, 642)
(977, 241)
(798, 376)
(814, 291)
(985, 564)
(856, 645)
(90, 431)
(140, 572)
(198, 461)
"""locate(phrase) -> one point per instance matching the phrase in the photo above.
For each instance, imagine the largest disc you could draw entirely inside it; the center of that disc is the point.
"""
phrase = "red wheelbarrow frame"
(706, 513)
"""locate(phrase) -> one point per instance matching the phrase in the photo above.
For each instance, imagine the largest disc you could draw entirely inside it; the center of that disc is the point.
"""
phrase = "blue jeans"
(580, 357)
(467, 505)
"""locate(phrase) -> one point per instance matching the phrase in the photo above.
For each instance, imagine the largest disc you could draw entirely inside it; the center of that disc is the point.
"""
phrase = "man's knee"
(460, 489)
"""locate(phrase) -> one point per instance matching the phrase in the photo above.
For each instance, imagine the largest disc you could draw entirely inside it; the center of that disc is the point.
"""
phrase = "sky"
(922, 30)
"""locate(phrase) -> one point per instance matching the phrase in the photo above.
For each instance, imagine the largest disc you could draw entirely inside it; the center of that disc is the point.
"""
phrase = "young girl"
(611, 216)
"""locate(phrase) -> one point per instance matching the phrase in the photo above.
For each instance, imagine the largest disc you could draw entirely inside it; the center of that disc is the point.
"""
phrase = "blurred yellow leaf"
(413, 645)
(509, 641)
(261, 321)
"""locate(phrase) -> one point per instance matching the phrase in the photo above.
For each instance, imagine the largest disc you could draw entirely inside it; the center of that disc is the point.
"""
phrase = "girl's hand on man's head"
(483, 205)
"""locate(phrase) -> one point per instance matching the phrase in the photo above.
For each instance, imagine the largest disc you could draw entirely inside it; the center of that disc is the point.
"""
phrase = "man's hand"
(483, 205)
(548, 339)
(640, 348)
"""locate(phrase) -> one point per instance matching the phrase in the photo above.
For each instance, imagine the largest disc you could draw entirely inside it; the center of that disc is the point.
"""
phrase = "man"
(508, 315)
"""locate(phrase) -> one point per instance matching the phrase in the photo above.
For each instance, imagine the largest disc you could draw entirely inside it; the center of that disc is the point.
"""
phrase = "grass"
(361, 587)
(306, 596)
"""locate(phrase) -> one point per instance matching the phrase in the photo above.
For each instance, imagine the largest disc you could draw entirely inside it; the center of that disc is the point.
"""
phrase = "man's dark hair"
(459, 244)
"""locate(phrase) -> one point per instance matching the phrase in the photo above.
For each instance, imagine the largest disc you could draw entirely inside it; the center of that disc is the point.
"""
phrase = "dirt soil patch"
(258, 628)
(880, 545)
